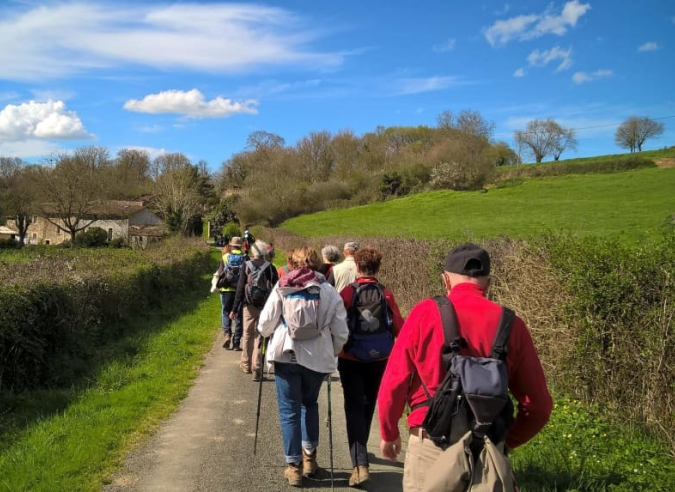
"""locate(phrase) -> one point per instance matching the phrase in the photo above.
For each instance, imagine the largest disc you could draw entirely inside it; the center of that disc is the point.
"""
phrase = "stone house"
(129, 220)
(7, 233)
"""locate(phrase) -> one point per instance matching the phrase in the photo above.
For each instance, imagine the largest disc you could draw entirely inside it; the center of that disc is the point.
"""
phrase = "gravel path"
(207, 445)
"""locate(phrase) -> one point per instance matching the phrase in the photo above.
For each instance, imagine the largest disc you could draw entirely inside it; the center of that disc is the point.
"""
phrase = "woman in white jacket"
(306, 318)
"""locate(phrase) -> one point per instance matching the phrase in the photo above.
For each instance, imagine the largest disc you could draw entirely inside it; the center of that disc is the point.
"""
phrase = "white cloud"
(49, 120)
(31, 148)
(519, 73)
(532, 26)
(54, 95)
(149, 129)
(445, 46)
(406, 86)
(648, 47)
(581, 77)
(542, 58)
(419, 111)
(65, 38)
(190, 104)
(8, 95)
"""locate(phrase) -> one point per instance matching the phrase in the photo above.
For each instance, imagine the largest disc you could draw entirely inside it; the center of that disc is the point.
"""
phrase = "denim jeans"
(226, 303)
(297, 395)
(360, 384)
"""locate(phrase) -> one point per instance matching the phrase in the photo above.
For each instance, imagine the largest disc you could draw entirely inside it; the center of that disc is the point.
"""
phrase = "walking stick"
(257, 417)
(330, 437)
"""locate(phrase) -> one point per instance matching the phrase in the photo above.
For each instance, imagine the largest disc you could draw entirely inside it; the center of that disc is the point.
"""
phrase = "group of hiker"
(451, 363)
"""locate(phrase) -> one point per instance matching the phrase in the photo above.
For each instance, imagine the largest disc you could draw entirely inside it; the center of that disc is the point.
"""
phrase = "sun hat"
(236, 242)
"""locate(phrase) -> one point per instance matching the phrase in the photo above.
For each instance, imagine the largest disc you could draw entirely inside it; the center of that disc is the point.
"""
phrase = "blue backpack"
(370, 336)
(231, 271)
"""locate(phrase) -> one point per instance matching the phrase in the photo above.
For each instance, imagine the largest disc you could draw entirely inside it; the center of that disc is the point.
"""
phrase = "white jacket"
(318, 354)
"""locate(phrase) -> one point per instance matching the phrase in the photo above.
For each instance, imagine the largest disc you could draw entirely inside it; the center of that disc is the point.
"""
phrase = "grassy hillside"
(631, 205)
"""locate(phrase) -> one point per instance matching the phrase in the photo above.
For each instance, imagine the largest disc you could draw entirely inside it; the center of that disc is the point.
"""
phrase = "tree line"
(68, 188)
(270, 181)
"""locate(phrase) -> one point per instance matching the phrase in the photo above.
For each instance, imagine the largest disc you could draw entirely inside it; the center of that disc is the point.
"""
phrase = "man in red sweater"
(417, 354)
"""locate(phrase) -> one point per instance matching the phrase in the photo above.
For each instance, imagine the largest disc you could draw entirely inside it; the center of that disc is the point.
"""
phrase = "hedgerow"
(602, 313)
(58, 309)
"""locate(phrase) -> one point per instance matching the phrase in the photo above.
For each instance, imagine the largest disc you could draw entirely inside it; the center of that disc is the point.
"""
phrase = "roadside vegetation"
(72, 437)
(602, 313)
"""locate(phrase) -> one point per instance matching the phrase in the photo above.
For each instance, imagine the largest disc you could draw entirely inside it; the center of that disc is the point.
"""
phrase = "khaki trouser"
(419, 458)
(250, 340)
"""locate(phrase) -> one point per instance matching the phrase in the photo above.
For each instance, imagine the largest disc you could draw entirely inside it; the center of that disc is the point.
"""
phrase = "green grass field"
(631, 205)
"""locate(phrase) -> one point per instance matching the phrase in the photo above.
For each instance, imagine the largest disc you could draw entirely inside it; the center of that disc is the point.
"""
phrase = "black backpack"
(474, 394)
(258, 284)
(370, 336)
(231, 270)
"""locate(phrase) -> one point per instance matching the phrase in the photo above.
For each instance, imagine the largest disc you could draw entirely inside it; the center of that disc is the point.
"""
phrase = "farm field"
(630, 205)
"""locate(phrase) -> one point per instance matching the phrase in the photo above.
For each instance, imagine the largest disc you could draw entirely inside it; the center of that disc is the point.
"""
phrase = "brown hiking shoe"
(360, 475)
(309, 465)
(257, 375)
(226, 341)
(293, 473)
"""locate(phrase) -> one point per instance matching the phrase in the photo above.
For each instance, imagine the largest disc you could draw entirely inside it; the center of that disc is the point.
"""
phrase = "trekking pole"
(257, 417)
(330, 437)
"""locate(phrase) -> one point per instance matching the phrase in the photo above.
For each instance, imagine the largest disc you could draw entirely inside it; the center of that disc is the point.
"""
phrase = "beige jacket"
(344, 273)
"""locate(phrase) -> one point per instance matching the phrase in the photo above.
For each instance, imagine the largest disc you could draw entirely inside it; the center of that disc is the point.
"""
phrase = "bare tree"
(17, 193)
(565, 140)
(633, 132)
(472, 123)
(445, 120)
(264, 140)
(70, 188)
(315, 155)
(543, 137)
(176, 184)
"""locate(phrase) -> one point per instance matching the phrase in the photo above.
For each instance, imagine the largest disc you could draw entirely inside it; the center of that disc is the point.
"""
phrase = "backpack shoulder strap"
(500, 345)
(449, 321)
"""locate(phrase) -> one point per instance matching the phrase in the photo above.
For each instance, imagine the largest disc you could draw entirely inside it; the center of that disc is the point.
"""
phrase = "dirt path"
(207, 445)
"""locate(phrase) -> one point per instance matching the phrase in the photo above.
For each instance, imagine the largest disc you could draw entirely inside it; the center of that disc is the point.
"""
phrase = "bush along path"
(79, 445)
(577, 451)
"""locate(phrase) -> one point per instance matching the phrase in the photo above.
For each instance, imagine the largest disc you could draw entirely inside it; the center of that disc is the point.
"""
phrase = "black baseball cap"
(468, 259)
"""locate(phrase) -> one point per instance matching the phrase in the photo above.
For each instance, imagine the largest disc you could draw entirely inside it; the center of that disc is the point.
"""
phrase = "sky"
(199, 77)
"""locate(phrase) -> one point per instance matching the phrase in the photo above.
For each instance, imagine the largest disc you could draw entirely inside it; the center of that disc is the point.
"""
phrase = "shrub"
(93, 237)
(9, 244)
(117, 243)
(231, 229)
(61, 308)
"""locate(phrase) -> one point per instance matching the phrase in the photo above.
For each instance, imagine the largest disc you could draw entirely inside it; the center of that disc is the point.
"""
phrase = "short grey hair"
(259, 249)
(330, 253)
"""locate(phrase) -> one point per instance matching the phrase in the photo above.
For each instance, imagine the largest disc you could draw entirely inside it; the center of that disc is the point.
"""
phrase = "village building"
(131, 221)
(7, 233)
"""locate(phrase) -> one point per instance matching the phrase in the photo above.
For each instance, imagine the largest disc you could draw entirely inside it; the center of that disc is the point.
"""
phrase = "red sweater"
(396, 319)
(417, 353)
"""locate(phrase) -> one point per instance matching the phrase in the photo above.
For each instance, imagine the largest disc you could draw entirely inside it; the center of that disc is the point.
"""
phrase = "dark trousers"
(360, 384)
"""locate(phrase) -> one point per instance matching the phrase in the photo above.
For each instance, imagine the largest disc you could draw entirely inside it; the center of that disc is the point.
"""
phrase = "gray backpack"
(474, 395)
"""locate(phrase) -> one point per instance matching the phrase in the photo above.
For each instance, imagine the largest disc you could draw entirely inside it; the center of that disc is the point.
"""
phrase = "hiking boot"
(237, 348)
(360, 475)
(226, 341)
(293, 473)
(309, 465)
(257, 375)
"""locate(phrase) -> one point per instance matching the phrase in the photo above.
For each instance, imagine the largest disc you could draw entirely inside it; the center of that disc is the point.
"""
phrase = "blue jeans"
(297, 395)
(227, 303)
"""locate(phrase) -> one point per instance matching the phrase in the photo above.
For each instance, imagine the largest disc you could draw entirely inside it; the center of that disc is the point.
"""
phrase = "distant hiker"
(286, 269)
(256, 281)
(344, 273)
(374, 320)
(415, 371)
(306, 319)
(330, 255)
(229, 270)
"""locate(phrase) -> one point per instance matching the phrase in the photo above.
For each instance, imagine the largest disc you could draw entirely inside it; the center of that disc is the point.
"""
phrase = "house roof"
(7, 230)
(110, 209)
(147, 230)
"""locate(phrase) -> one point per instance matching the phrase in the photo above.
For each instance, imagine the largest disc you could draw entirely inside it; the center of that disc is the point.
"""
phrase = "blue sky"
(199, 77)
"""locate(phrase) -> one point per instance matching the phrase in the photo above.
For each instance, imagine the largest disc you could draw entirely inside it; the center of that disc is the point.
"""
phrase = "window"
(35, 219)
(34, 236)
(110, 234)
